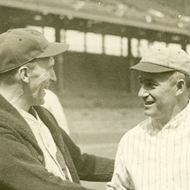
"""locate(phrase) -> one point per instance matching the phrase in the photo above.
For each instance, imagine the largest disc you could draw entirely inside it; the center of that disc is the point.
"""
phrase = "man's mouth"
(45, 87)
(148, 103)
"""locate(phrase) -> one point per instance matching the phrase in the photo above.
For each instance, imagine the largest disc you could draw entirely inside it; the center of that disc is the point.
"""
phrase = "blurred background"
(97, 90)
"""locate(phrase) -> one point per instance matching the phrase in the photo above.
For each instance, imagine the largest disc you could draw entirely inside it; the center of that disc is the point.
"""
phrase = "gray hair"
(179, 75)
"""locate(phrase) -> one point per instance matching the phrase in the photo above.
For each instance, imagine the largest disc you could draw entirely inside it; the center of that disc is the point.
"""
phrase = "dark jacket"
(22, 164)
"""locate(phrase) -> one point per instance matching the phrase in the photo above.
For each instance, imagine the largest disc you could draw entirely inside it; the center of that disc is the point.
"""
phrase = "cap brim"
(151, 68)
(54, 49)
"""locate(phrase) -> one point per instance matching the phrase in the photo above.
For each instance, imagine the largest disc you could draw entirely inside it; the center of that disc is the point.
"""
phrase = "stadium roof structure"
(148, 14)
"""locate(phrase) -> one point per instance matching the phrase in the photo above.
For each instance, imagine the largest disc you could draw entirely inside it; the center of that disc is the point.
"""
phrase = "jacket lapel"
(58, 136)
(11, 117)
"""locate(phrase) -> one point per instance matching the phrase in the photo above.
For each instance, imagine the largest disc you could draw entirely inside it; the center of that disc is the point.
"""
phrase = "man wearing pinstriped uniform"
(155, 155)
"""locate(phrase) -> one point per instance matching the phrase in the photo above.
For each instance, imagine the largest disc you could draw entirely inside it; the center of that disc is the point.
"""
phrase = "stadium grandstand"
(106, 37)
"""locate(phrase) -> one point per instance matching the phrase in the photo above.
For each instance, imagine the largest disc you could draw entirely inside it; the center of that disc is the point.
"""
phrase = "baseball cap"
(158, 60)
(21, 45)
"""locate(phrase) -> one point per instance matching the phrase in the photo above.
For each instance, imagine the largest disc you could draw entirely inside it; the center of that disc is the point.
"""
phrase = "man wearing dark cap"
(155, 154)
(35, 153)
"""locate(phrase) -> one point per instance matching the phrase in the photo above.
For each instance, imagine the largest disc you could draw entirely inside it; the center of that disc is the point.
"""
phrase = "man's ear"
(180, 85)
(24, 74)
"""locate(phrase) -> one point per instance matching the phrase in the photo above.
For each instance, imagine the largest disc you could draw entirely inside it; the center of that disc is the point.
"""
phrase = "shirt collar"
(31, 114)
(173, 123)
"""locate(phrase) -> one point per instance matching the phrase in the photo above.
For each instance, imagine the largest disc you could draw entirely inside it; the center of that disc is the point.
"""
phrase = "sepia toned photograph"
(94, 94)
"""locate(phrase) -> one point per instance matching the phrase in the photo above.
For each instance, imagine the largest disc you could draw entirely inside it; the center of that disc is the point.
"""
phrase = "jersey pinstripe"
(154, 157)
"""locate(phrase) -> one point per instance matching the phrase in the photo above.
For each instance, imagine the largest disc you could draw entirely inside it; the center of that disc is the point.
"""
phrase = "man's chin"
(39, 102)
(42, 102)
(148, 113)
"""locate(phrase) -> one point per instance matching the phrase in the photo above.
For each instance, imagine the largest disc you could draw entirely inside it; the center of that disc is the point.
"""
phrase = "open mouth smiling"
(45, 87)
(148, 103)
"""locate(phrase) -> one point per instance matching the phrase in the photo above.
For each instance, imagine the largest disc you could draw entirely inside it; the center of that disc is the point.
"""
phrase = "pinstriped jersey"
(154, 157)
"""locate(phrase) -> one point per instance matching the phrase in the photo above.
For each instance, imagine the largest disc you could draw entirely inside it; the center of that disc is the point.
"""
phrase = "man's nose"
(143, 92)
(53, 76)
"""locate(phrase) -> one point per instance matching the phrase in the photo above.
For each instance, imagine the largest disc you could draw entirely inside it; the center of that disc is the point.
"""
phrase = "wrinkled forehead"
(155, 76)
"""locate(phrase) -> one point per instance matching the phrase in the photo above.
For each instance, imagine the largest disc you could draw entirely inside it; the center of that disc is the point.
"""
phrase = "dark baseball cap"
(21, 45)
(159, 60)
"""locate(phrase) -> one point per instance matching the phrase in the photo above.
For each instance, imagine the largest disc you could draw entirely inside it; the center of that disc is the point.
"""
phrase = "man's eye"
(151, 84)
(140, 81)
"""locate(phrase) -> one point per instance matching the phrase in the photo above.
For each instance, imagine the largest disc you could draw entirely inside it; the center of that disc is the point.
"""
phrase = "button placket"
(164, 159)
